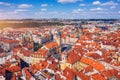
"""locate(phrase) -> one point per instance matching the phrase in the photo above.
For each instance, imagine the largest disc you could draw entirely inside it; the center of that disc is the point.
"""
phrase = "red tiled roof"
(53, 67)
(57, 77)
(15, 50)
(116, 74)
(73, 57)
(16, 57)
(68, 73)
(108, 59)
(41, 65)
(93, 63)
(11, 41)
(88, 68)
(98, 66)
(72, 35)
(52, 45)
(50, 59)
(29, 46)
(98, 76)
(1, 55)
(94, 55)
(2, 71)
(107, 74)
(7, 64)
(87, 60)
(36, 32)
(14, 69)
(64, 35)
(27, 53)
(41, 53)
(83, 76)
(28, 75)
(1, 50)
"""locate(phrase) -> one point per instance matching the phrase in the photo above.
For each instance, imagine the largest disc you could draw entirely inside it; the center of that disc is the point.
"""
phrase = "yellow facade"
(78, 65)
(63, 66)
(36, 60)
(118, 59)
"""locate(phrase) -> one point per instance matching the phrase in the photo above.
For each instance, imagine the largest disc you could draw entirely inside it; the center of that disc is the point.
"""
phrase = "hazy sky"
(80, 9)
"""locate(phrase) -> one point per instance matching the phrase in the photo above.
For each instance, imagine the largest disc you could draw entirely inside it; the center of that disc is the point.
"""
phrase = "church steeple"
(22, 39)
(59, 40)
(79, 30)
(31, 42)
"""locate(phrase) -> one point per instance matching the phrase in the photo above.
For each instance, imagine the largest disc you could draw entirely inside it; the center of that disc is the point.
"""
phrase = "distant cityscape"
(16, 23)
(60, 49)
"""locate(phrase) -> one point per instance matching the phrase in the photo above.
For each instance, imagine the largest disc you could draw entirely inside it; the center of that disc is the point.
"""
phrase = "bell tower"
(59, 40)
(79, 30)
(31, 41)
(22, 40)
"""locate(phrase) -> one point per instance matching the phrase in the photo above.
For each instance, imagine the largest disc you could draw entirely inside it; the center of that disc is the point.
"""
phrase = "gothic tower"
(59, 40)
(31, 42)
(79, 30)
(22, 40)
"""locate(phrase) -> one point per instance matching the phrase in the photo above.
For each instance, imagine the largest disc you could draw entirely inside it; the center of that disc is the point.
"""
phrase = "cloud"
(20, 10)
(97, 9)
(24, 6)
(102, 12)
(44, 13)
(68, 1)
(82, 5)
(51, 14)
(77, 11)
(110, 3)
(16, 14)
(43, 9)
(112, 7)
(54, 12)
(96, 3)
(44, 5)
(119, 12)
(5, 4)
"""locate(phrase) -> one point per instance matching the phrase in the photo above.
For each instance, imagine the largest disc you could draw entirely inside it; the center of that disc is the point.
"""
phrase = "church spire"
(59, 40)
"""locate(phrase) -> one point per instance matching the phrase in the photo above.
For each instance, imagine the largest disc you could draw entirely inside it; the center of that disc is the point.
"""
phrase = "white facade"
(2, 60)
(9, 46)
(41, 40)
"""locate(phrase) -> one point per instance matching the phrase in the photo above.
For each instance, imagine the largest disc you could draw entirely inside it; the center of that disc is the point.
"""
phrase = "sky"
(66, 9)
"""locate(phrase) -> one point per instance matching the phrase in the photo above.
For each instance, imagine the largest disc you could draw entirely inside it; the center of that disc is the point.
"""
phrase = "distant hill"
(20, 24)
(46, 22)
